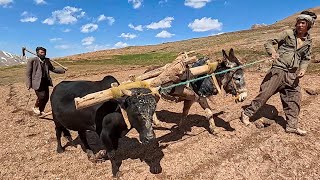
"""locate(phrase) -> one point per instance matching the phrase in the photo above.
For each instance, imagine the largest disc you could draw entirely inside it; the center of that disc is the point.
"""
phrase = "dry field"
(27, 146)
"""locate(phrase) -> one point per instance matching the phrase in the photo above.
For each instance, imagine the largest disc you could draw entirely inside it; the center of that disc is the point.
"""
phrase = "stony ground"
(27, 144)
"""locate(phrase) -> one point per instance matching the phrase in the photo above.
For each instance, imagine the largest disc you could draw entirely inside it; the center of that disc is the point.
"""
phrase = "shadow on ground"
(266, 116)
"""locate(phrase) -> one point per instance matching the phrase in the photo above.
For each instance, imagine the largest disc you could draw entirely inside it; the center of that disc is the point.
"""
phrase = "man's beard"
(42, 57)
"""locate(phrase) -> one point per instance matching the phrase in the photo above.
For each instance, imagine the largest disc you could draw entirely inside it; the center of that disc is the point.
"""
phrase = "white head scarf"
(306, 17)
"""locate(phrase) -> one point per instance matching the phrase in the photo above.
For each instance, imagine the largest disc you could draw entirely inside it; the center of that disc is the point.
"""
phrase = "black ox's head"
(140, 106)
(232, 81)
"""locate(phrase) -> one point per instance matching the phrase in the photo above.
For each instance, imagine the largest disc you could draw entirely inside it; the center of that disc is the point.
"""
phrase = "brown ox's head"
(233, 81)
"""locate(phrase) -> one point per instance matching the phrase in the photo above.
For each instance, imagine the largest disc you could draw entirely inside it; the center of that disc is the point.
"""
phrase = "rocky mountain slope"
(8, 59)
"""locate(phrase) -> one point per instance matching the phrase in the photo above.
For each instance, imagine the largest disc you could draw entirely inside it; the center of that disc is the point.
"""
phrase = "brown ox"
(232, 82)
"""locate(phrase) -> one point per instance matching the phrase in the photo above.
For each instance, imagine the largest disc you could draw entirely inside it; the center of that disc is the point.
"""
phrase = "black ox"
(105, 119)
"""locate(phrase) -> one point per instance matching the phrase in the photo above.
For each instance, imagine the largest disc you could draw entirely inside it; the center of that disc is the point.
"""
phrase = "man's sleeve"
(269, 45)
(54, 69)
(306, 60)
(29, 73)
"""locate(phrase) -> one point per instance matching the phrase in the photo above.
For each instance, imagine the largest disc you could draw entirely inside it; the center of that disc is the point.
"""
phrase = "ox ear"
(231, 54)
(233, 58)
(225, 56)
(226, 60)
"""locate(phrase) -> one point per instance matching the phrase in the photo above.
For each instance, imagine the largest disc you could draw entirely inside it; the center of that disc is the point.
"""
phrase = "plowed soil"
(28, 144)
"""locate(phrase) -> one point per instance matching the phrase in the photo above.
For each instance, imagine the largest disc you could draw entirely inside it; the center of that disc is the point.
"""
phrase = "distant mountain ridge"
(9, 59)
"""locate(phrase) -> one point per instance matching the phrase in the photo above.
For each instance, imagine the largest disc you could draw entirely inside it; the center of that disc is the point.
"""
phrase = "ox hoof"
(117, 175)
(60, 150)
(213, 130)
(245, 119)
(259, 124)
(91, 156)
(101, 154)
(156, 169)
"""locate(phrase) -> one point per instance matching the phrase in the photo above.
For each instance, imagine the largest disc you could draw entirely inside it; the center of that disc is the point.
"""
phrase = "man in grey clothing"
(290, 62)
(38, 78)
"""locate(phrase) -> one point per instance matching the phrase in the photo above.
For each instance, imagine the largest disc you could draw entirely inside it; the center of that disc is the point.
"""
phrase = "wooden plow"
(174, 72)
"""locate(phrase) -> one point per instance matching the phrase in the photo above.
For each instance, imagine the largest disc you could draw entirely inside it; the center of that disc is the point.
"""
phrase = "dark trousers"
(287, 84)
(43, 95)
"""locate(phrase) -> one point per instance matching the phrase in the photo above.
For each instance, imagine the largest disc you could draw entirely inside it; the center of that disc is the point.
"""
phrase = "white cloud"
(55, 39)
(40, 2)
(24, 13)
(111, 20)
(137, 28)
(68, 15)
(136, 3)
(89, 28)
(48, 21)
(196, 3)
(27, 17)
(128, 36)
(66, 30)
(88, 41)
(164, 23)
(164, 34)
(163, 1)
(205, 24)
(62, 46)
(5, 3)
(102, 17)
(120, 45)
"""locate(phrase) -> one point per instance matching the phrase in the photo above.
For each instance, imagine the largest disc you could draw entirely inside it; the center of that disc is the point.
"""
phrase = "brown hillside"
(248, 42)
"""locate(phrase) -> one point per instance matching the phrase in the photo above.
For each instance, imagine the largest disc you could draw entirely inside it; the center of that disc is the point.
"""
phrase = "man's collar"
(41, 60)
(307, 36)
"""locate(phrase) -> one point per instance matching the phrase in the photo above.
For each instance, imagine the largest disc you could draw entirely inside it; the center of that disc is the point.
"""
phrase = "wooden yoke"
(105, 95)
(116, 92)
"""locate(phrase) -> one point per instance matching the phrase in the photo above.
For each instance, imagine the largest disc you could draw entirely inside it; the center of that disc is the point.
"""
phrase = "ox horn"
(114, 84)
(126, 92)
(125, 117)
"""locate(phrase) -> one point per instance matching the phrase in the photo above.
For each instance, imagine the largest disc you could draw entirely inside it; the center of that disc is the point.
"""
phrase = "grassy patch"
(144, 59)
(245, 55)
(129, 59)
(11, 74)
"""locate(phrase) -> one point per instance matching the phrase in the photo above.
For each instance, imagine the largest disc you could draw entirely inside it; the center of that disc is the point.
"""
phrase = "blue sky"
(67, 27)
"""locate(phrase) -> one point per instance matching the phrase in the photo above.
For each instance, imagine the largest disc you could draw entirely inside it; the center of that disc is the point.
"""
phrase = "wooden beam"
(116, 92)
